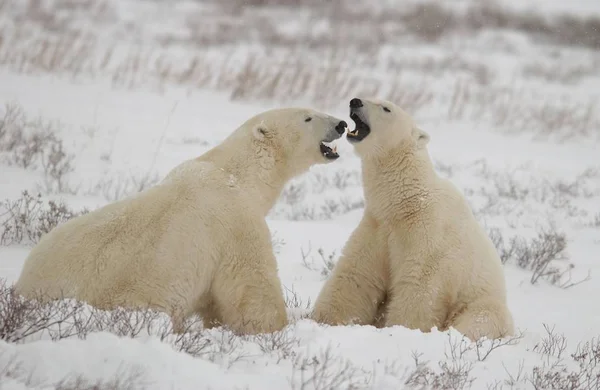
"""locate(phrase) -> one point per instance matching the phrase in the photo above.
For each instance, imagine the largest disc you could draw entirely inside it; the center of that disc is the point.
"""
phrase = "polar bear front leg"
(355, 289)
(486, 317)
(246, 290)
(250, 301)
(410, 305)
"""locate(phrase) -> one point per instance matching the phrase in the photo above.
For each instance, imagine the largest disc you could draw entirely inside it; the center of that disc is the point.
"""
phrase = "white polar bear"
(198, 241)
(418, 258)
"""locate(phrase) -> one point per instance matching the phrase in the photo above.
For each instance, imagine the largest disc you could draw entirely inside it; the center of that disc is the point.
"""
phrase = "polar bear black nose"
(355, 103)
(341, 127)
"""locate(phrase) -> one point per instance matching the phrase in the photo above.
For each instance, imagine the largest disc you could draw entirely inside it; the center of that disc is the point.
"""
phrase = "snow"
(515, 179)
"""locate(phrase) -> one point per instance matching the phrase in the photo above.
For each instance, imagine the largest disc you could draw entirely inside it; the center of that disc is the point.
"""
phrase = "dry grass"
(24, 320)
(427, 21)
(433, 22)
(518, 110)
(325, 69)
(561, 72)
(289, 75)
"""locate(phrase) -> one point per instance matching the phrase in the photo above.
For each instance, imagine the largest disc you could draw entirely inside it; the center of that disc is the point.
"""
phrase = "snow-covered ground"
(132, 88)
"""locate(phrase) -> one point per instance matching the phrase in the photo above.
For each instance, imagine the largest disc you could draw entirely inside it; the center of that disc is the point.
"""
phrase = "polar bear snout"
(341, 127)
(356, 103)
(328, 150)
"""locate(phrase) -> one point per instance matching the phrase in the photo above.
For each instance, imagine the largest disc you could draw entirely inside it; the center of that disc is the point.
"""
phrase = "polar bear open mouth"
(329, 150)
(361, 128)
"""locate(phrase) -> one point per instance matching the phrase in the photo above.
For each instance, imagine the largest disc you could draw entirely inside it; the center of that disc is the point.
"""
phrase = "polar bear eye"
(308, 119)
(386, 109)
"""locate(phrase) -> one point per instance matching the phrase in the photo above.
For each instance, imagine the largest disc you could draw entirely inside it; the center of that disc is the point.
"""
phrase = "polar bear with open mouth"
(197, 242)
(418, 257)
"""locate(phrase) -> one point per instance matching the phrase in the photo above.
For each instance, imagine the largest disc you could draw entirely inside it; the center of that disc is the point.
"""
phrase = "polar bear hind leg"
(246, 291)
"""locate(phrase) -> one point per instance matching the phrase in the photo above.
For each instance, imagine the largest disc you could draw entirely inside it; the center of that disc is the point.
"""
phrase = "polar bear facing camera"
(418, 257)
(196, 243)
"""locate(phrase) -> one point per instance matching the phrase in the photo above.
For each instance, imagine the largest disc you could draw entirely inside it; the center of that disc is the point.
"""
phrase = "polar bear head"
(296, 137)
(381, 125)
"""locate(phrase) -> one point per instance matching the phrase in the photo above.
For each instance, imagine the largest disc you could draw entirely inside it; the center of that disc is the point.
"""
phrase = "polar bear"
(196, 243)
(418, 257)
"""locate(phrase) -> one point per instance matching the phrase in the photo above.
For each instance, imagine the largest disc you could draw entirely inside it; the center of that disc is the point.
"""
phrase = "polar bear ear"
(421, 137)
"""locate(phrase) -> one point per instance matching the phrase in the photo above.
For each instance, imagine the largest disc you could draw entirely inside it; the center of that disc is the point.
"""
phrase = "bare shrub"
(57, 164)
(325, 211)
(293, 193)
(510, 191)
(460, 346)
(587, 356)
(128, 378)
(327, 262)
(302, 213)
(484, 347)
(22, 320)
(454, 374)
(280, 343)
(340, 180)
(13, 369)
(558, 375)
(11, 127)
(324, 372)
(552, 344)
(538, 254)
(294, 301)
(344, 179)
(27, 219)
(505, 252)
(277, 242)
(595, 222)
(31, 144)
(541, 255)
(332, 207)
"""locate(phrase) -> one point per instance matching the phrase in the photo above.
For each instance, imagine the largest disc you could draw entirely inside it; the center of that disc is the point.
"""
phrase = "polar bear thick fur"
(418, 257)
(196, 243)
